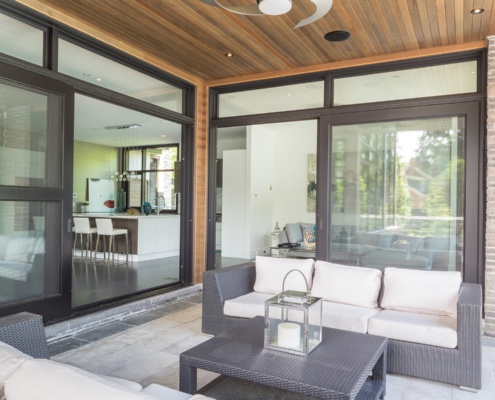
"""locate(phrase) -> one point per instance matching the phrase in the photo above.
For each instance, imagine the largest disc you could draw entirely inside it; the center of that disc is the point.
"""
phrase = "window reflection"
(398, 194)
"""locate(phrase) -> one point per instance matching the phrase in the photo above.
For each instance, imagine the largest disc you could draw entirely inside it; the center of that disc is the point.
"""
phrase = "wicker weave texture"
(339, 368)
(460, 366)
(25, 332)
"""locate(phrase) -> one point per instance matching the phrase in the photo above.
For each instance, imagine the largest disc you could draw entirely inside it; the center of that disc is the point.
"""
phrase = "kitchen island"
(150, 236)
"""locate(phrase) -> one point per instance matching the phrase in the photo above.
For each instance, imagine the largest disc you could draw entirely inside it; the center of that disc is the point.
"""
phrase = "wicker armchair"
(460, 366)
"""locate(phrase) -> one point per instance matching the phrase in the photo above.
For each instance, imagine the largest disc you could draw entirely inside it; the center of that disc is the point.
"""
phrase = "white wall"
(260, 174)
(292, 145)
(234, 207)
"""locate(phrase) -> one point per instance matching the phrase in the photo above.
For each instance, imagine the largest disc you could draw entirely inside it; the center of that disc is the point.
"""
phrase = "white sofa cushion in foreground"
(25, 378)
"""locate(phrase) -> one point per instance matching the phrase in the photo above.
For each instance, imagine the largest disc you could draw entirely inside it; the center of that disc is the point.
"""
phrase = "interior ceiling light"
(119, 127)
(478, 11)
(275, 7)
(229, 54)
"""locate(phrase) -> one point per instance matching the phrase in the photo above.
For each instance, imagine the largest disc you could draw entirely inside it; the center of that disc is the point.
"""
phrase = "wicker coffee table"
(346, 365)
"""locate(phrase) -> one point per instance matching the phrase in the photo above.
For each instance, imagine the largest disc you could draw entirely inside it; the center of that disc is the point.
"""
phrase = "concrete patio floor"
(145, 348)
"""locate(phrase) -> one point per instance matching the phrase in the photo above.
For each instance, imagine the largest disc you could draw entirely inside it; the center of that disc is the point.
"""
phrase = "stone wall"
(490, 195)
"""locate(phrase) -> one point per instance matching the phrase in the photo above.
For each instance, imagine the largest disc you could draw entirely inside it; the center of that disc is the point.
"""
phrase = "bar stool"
(82, 227)
(104, 227)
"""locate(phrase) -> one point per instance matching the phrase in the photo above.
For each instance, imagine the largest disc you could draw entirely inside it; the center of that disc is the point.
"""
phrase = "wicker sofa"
(459, 365)
(26, 373)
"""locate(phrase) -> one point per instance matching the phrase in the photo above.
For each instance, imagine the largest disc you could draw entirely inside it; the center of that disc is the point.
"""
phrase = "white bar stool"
(104, 227)
(82, 227)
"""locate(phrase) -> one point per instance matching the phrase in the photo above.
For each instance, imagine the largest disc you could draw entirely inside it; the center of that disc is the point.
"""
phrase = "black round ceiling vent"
(337, 36)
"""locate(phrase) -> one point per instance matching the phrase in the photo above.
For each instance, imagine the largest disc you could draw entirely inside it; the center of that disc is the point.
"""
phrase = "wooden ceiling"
(194, 37)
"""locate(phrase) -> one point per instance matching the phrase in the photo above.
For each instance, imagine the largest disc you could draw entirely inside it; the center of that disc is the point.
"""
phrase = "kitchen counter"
(150, 236)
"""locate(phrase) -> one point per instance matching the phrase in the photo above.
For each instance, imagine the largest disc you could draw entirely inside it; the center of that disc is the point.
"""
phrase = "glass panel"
(29, 140)
(282, 98)
(20, 40)
(161, 158)
(266, 179)
(398, 194)
(24, 270)
(160, 190)
(438, 80)
(98, 70)
(112, 140)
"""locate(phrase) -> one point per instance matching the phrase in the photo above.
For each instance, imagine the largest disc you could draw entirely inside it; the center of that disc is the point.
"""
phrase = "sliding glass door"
(35, 194)
(397, 190)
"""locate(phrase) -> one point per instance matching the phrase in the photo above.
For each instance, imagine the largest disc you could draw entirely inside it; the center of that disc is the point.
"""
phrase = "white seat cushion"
(347, 317)
(247, 306)
(425, 292)
(271, 271)
(348, 285)
(435, 330)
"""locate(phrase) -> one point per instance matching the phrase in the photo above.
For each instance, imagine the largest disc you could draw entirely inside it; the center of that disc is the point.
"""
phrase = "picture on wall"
(311, 188)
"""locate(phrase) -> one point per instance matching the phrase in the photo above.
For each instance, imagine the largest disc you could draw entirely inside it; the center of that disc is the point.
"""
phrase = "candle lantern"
(293, 321)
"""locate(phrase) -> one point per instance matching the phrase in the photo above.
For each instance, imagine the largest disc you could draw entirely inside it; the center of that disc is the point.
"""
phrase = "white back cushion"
(356, 286)
(271, 271)
(425, 292)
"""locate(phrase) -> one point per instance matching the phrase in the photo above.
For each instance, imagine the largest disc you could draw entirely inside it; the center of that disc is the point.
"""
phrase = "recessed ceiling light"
(477, 11)
(229, 54)
(163, 135)
(98, 79)
(337, 36)
(118, 127)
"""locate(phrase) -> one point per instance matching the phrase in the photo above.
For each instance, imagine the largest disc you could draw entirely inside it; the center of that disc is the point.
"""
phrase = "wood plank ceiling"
(194, 37)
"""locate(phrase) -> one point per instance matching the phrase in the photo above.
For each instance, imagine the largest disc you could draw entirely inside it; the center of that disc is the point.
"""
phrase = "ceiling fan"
(275, 7)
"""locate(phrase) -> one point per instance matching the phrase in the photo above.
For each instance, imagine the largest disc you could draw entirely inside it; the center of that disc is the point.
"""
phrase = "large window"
(401, 202)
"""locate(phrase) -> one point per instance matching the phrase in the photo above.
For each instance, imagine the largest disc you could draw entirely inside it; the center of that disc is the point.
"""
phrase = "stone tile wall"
(490, 195)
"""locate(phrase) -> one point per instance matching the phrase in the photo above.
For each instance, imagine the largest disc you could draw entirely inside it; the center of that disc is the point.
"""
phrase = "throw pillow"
(424, 292)
(309, 233)
(270, 274)
(355, 286)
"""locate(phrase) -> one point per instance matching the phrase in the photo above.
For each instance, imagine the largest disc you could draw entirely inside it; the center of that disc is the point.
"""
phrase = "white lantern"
(293, 321)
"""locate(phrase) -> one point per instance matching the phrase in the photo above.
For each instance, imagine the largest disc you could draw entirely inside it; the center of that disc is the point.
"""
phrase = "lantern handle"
(305, 280)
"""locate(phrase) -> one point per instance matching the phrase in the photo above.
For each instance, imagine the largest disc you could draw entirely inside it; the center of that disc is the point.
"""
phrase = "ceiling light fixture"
(477, 11)
(275, 7)
(229, 54)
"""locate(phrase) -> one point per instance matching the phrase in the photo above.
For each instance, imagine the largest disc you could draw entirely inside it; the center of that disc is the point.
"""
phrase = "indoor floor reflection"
(96, 281)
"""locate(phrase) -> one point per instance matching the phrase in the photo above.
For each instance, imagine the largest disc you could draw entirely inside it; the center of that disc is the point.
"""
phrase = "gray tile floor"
(145, 348)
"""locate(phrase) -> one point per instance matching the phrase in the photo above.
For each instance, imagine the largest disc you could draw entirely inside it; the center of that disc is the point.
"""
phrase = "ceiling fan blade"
(244, 10)
(322, 8)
